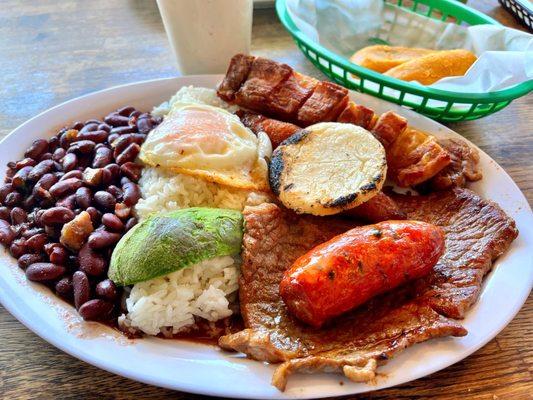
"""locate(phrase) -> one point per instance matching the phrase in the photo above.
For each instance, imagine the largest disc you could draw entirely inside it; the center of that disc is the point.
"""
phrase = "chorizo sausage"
(357, 265)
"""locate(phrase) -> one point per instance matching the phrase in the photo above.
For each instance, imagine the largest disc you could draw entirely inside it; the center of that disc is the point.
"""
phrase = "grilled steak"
(477, 232)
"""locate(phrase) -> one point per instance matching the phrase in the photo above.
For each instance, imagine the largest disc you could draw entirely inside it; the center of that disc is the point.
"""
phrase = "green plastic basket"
(450, 106)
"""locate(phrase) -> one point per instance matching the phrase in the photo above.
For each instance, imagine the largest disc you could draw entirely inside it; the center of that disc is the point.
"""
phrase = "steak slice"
(477, 231)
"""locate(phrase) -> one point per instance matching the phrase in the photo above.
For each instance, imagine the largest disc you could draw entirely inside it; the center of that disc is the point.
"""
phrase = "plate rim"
(55, 341)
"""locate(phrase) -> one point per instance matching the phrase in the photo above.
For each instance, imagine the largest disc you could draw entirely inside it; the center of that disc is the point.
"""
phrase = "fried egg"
(209, 143)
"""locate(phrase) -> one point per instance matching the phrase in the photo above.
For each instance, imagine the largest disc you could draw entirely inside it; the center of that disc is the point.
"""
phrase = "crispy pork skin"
(237, 73)
(325, 104)
(262, 80)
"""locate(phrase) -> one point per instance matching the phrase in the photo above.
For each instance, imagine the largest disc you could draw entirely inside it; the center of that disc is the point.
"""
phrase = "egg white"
(210, 143)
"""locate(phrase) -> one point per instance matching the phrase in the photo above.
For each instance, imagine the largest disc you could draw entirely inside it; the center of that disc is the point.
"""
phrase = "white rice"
(173, 301)
(163, 191)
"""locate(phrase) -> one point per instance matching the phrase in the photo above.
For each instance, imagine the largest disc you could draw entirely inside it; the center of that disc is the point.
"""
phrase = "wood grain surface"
(55, 50)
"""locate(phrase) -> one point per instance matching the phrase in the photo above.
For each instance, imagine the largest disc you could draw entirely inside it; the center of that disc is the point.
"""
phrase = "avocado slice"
(167, 242)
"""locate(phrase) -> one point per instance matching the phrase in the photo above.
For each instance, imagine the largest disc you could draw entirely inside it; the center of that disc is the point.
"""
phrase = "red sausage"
(357, 265)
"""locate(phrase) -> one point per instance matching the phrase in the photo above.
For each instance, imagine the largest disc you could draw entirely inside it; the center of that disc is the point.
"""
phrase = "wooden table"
(55, 50)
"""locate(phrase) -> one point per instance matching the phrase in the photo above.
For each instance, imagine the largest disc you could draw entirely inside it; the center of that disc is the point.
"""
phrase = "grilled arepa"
(327, 168)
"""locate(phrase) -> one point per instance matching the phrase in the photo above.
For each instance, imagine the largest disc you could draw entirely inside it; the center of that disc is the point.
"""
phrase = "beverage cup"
(205, 34)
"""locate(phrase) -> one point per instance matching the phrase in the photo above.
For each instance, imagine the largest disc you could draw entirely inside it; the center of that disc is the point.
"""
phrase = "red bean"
(59, 153)
(130, 153)
(114, 170)
(64, 288)
(96, 215)
(5, 189)
(81, 288)
(18, 247)
(125, 111)
(76, 126)
(122, 130)
(102, 157)
(131, 223)
(18, 216)
(89, 127)
(59, 255)
(131, 170)
(106, 290)
(135, 114)
(99, 136)
(26, 162)
(5, 213)
(43, 272)
(107, 177)
(72, 174)
(81, 147)
(100, 239)
(7, 234)
(70, 162)
(124, 141)
(29, 232)
(57, 215)
(13, 199)
(49, 247)
(91, 263)
(84, 197)
(46, 182)
(67, 201)
(21, 178)
(145, 123)
(29, 202)
(65, 187)
(37, 148)
(36, 242)
(112, 137)
(104, 200)
(95, 309)
(104, 127)
(93, 121)
(112, 222)
(40, 170)
(116, 120)
(115, 191)
(132, 193)
(45, 156)
(68, 137)
(53, 231)
(53, 143)
(26, 260)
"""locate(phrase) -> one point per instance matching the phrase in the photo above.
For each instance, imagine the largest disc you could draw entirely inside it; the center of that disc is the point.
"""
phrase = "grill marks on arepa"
(327, 168)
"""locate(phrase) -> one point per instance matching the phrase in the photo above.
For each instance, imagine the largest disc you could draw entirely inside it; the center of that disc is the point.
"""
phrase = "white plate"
(204, 369)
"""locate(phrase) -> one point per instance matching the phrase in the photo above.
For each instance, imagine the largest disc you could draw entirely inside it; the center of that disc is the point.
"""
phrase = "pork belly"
(262, 80)
(359, 115)
(325, 104)
(238, 70)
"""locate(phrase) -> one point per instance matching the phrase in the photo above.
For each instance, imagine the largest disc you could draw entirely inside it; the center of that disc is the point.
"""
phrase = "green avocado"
(167, 242)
